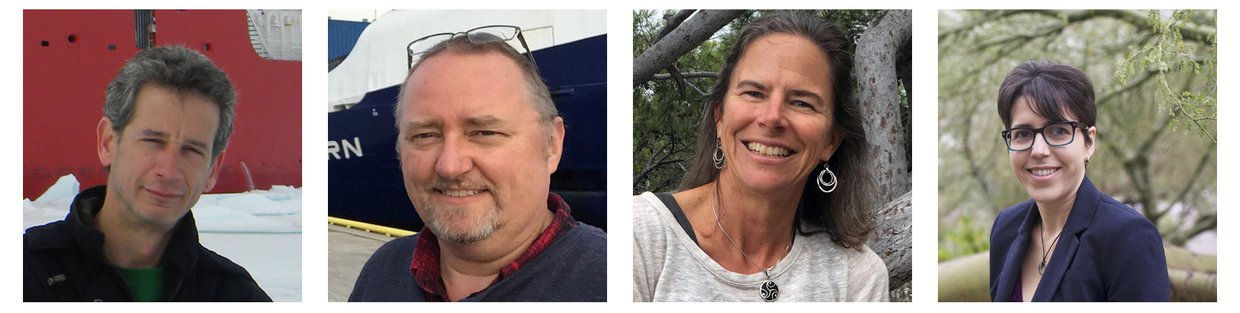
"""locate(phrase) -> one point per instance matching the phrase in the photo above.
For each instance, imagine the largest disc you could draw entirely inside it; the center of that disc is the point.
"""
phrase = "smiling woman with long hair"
(776, 204)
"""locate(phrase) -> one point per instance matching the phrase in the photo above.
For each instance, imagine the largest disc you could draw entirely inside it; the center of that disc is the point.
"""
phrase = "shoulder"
(646, 206)
(48, 250)
(588, 240)
(385, 276)
(865, 261)
(867, 275)
(399, 251)
(1116, 223)
(1126, 251)
(216, 264)
(574, 268)
(1012, 216)
(1113, 214)
(648, 217)
(1110, 220)
(650, 244)
(232, 280)
(54, 235)
(1008, 222)
(583, 248)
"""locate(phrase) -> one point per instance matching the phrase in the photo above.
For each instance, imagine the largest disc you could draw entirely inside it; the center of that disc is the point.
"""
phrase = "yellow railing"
(383, 230)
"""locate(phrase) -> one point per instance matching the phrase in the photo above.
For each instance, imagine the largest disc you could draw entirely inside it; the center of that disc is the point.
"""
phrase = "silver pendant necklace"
(1045, 250)
(769, 290)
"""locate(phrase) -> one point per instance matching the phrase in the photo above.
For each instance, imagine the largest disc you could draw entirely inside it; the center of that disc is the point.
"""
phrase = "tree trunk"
(1193, 276)
(893, 240)
(878, 52)
(965, 278)
(1189, 286)
(690, 34)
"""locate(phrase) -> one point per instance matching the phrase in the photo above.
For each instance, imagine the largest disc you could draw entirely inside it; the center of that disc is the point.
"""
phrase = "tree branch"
(1194, 33)
(687, 75)
(1192, 180)
(660, 157)
(1064, 19)
(690, 34)
(673, 22)
(991, 16)
(975, 168)
(1204, 223)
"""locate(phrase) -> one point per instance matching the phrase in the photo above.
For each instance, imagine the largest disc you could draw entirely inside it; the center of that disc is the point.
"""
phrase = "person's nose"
(773, 115)
(168, 164)
(1040, 148)
(454, 158)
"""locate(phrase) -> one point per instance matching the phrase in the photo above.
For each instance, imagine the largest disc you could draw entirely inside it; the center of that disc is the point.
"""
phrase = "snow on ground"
(260, 230)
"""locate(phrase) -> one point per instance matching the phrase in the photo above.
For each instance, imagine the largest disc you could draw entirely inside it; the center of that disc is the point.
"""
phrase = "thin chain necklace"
(1045, 250)
(769, 291)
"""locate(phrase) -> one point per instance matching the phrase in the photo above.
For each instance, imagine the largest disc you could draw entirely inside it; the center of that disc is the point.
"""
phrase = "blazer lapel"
(1079, 219)
(1015, 256)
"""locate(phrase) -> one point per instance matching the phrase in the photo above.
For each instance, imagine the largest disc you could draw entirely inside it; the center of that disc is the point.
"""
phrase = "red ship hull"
(69, 57)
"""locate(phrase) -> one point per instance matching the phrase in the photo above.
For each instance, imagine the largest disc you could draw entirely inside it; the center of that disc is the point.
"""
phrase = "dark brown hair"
(1050, 88)
(845, 214)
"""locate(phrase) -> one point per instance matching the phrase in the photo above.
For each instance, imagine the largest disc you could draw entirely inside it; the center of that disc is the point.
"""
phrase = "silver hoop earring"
(827, 186)
(718, 155)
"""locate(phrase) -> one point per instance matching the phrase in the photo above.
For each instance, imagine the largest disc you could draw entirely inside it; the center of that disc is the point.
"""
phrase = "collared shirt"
(425, 266)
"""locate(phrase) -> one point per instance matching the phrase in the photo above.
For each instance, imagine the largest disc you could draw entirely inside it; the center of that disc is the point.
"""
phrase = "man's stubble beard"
(441, 220)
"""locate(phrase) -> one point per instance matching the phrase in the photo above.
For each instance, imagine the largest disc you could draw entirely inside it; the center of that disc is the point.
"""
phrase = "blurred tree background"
(667, 110)
(677, 56)
(1154, 75)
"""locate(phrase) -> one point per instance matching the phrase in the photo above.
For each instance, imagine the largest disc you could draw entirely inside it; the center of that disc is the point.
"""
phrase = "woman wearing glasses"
(775, 206)
(1069, 242)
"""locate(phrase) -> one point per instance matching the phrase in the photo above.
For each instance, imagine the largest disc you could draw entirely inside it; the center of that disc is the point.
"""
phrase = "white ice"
(260, 230)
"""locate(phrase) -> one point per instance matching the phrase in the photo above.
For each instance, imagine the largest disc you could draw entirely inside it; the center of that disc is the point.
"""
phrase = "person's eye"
(487, 134)
(1060, 131)
(803, 104)
(194, 150)
(1021, 133)
(416, 137)
(753, 94)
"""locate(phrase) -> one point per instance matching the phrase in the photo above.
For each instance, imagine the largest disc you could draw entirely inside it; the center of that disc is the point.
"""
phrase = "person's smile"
(768, 152)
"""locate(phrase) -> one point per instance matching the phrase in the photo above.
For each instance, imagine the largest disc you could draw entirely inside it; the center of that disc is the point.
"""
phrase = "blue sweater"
(573, 268)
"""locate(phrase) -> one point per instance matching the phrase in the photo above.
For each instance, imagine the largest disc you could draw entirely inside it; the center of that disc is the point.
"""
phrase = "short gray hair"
(536, 90)
(177, 68)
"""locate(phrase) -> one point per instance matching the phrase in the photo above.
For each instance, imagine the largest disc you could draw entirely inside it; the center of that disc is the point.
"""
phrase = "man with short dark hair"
(478, 140)
(167, 118)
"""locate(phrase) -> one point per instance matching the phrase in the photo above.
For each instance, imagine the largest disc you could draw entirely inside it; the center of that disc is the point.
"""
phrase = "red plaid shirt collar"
(425, 265)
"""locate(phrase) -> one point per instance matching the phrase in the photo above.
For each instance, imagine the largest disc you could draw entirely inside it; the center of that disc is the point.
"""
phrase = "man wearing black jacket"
(167, 119)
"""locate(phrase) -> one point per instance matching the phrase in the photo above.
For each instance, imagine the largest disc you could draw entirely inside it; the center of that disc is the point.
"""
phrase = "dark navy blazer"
(1107, 252)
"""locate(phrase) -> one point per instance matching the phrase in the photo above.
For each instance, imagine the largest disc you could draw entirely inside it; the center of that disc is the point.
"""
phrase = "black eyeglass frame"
(520, 36)
(1007, 135)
